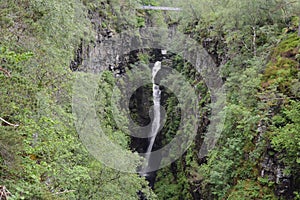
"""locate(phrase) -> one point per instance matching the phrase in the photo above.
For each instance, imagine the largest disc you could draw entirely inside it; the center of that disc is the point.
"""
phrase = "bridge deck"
(159, 8)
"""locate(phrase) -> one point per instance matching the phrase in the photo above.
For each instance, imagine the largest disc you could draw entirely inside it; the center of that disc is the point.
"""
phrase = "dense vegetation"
(256, 44)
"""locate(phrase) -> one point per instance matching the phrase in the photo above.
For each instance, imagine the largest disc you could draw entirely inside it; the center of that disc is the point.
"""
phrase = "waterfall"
(156, 119)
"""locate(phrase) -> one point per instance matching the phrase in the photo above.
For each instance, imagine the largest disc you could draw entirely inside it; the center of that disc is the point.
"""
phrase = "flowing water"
(156, 119)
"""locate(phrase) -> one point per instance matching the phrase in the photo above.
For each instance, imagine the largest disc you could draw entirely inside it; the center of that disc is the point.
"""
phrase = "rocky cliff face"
(274, 163)
(102, 53)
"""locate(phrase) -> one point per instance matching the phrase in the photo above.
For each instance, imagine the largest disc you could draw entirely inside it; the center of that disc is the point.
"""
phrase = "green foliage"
(281, 79)
(297, 195)
(248, 189)
(43, 157)
(173, 185)
(231, 28)
(243, 35)
(282, 71)
(286, 136)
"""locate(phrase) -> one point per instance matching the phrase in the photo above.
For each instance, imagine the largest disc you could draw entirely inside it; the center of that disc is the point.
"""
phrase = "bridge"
(160, 8)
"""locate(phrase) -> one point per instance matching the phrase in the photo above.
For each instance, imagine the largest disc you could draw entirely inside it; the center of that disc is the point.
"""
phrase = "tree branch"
(66, 191)
(14, 125)
(254, 41)
(5, 72)
(4, 193)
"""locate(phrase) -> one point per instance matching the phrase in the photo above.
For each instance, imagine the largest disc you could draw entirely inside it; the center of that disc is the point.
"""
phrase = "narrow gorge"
(196, 99)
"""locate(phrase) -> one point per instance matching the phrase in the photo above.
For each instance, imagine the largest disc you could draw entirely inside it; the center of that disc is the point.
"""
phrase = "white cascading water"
(156, 120)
